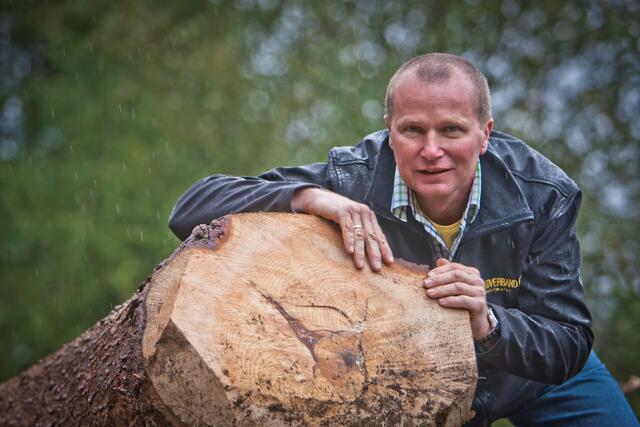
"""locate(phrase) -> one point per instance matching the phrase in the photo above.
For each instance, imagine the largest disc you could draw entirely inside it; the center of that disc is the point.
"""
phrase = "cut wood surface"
(263, 319)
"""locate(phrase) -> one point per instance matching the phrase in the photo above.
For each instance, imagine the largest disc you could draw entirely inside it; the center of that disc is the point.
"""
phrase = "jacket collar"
(503, 201)
(380, 191)
(502, 204)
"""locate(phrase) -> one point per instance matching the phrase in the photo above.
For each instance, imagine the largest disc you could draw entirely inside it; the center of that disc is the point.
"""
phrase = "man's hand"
(458, 286)
(361, 233)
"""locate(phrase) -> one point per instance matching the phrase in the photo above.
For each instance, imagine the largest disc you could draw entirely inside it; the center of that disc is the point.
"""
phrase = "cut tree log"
(260, 319)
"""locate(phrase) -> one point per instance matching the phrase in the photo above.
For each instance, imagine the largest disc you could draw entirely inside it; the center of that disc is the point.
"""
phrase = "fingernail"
(430, 292)
(428, 282)
(377, 265)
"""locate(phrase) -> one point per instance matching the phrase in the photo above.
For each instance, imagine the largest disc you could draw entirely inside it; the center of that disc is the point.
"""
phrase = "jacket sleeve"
(548, 337)
(219, 195)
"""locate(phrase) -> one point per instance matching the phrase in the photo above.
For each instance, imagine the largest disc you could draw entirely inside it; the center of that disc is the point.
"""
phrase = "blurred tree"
(108, 112)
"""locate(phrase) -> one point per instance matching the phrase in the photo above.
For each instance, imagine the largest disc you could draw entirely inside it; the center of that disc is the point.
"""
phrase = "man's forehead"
(411, 88)
(413, 76)
(452, 100)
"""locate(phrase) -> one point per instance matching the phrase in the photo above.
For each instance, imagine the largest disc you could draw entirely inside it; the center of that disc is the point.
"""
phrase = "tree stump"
(260, 319)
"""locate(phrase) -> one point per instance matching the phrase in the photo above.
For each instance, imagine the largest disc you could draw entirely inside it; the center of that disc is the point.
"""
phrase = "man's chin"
(432, 191)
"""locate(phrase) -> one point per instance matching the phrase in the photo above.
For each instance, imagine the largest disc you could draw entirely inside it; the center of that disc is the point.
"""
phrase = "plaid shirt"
(404, 198)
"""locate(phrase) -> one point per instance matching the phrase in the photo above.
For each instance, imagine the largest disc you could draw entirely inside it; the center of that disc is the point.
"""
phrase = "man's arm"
(219, 195)
(295, 189)
(548, 338)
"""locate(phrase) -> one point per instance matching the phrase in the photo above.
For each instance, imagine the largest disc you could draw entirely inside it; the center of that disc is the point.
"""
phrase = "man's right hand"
(361, 233)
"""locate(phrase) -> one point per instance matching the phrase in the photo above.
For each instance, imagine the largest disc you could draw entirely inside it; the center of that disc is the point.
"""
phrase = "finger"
(471, 304)
(385, 249)
(435, 280)
(358, 236)
(442, 266)
(444, 277)
(371, 242)
(455, 289)
(348, 236)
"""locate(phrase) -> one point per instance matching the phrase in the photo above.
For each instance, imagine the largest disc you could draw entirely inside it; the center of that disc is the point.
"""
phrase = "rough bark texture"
(259, 319)
(96, 379)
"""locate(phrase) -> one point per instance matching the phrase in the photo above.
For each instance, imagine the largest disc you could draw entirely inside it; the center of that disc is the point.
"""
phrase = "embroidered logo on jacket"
(501, 284)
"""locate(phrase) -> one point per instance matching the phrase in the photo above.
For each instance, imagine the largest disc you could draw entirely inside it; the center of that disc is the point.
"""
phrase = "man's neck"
(446, 211)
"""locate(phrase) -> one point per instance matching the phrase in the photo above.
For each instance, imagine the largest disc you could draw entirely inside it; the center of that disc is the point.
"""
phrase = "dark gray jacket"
(523, 242)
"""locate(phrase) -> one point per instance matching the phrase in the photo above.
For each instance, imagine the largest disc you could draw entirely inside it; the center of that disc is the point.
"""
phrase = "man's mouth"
(433, 172)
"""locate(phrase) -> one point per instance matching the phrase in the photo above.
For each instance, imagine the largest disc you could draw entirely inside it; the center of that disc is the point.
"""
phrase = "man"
(493, 217)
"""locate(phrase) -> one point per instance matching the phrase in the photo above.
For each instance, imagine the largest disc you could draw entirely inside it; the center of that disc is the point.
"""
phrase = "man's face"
(437, 138)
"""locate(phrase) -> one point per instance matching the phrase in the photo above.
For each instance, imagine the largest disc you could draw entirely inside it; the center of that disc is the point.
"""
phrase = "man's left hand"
(458, 286)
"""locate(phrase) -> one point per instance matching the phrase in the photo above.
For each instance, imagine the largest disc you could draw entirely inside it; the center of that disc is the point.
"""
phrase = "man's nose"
(431, 148)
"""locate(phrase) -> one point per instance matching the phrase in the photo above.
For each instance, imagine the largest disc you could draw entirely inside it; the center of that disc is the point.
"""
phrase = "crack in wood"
(311, 337)
(307, 337)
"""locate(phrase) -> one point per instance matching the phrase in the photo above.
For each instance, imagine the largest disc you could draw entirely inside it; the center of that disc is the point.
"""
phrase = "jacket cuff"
(486, 344)
(285, 199)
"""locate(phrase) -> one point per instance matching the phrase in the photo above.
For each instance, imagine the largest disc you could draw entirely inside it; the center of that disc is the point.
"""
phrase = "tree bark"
(260, 319)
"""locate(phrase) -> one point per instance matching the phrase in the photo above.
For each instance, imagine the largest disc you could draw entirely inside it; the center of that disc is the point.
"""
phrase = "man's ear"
(486, 132)
(387, 124)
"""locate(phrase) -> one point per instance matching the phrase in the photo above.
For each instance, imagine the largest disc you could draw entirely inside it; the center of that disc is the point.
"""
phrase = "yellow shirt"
(448, 232)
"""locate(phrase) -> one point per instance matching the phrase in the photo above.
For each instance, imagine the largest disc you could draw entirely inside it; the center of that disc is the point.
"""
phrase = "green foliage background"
(110, 110)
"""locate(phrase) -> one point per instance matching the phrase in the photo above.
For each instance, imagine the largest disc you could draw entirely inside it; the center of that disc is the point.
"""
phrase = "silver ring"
(357, 227)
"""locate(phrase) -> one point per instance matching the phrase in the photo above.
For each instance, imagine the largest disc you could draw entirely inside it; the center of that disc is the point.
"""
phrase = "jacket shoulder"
(544, 184)
(364, 152)
(350, 167)
(529, 166)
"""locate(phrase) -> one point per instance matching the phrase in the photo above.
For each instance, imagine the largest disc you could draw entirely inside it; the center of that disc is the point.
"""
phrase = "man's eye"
(413, 129)
(451, 129)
